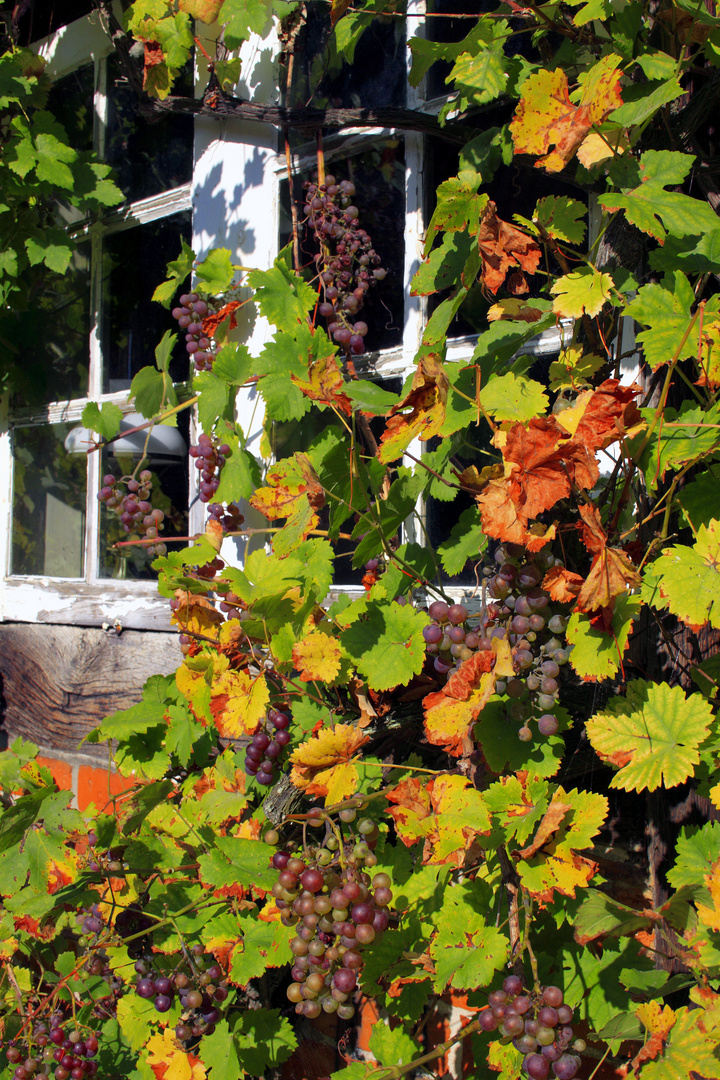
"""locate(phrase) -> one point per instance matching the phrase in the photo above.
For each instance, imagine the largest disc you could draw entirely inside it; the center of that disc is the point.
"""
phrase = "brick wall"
(89, 782)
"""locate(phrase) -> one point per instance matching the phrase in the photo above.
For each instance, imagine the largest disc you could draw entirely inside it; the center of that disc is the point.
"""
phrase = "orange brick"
(61, 771)
(98, 786)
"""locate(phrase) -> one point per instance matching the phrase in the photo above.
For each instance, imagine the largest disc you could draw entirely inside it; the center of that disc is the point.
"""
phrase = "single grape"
(536, 1066)
(547, 724)
(553, 996)
(566, 1067)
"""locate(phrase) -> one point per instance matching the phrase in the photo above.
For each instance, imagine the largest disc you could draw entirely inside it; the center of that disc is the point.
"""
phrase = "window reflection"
(48, 504)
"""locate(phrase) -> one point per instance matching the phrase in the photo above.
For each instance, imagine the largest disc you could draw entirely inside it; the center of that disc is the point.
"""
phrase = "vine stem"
(396, 1071)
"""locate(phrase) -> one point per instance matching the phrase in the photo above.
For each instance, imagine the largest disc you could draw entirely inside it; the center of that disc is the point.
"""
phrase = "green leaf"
(620, 1028)
(391, 1046)
(504, 752)
(643, 100)
(104, 419)
(214, 399)
(152, 390)
(445, 264)
(284, 298)
(651, 735)
(163, 352)
(597, 655)
(560, 217)
(656, 211)
(665, 309)
(483, 77)
(177, 271)
(686, 580)
(706, 676)
(512, 397)
(696, 852)
(182, 734)
(144, 801)
(136, 1018)
(698, 499)
(243, 18)
(581, 292)
(691, 434)
(459, 206)
(16, 819)
(264, 945)
(234, 859)
(601, 916)
(234, 364)
(220, 1051)
(371, 398)
(387, 645)
(466, 541)
(52, 248)
(264, 1039)
(281, 358)
(466, 951)
(216, 271)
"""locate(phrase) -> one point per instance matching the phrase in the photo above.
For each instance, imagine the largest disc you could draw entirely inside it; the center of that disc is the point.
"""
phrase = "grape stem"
(526, 946)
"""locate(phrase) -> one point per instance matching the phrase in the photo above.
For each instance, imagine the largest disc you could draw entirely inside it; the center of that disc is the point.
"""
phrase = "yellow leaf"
(515, 310)
(323, 765)
(196, 614)
(214, 533)
(447, 812)
(450, 713)
(317, 657)
(597, 149)
(205, 10)
(293, 492)
(325, 383)
(710, 917)
(238, 703)
(504, 667)
(169, 1062)
(426, 400)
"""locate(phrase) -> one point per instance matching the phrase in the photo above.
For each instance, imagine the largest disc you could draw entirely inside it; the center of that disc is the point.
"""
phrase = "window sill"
(135, 605)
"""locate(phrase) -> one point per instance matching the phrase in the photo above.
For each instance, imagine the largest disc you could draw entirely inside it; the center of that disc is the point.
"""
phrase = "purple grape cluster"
(338, 912)
(539, 1026)
(189, 315)
(347, 262)
(261, 756)
(228, 516)
(210, 456)
(200, 986)
(517, 611)
(134, 507)
(54, 1051)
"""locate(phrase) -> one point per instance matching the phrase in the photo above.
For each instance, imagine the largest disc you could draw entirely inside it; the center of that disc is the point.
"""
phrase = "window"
(93, 329)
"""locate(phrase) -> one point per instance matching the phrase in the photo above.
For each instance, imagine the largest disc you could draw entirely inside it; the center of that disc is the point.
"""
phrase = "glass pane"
(168, 463)
(148, 157)
(53, 337)
(378, 173)
(134, 264)
(320, 78)
(72, 101)
(49, 487)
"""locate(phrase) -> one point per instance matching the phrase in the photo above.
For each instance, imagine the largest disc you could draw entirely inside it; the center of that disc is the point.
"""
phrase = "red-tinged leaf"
(206, 11)
(426, 402)
(503, 246)
(601, 417)
(325, 383)
(592, 533)
(324, 764)
(153, 54)
(196, 614)
(611, 575)
(561, 585)
(211, 323)
(447, 813)
(546, 118)
(514, 311)
(450, 713)
(338, 9)
(32, 926)
(504, 519)
(549, 824)
(169, 1061)
(658, 1020)
(238, 702)
(318, 656)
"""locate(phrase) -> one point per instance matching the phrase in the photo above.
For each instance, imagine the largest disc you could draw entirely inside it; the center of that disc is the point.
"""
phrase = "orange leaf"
(338, 9)
(325, 383)
(211, 323)
(602, 416)
(659, 1021)
(451, 712)
(323, 765)
(426, 400)
(317, 657)
(545, 116)
(448, 813)
(502, 246)
(562, 585)
(504, 519)
(611, 575)
(196, 615)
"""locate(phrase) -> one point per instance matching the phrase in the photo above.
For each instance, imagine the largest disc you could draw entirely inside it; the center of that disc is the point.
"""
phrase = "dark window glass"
(53, 334)
(35, 21)
(167, 461)
(71, 102)
(134, 264)
(49, 486)
(379, 177)
(148, 157)
(322, 79)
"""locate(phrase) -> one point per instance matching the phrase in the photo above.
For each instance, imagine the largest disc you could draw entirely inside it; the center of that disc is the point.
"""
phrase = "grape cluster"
(134, 507)
(209, 458)
(539, 1026)
(337, 911)
(517, 611)
(54, 1051)
(261, 756)
(228, 516)
(189, 315)
(200, 986)
(347, 262)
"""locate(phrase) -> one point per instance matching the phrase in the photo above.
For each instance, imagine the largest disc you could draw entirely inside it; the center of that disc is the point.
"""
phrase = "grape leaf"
(651, 735)
(691, 434)
(560, 216)
(450, 713)
(501, 247)
(447, 813)
(387, 645)
(216, 271)
(601, 916)
(104, 419)
(686, 580)
(426, 401)
(444, 265)
(513, 397)
(466, 541)
(465, 950)
(458, 206)
(504, 752)
(164, 1053)
(664, 307)
(596, 654)
(391, 1046)
(324, 383)
(152, 390)
(581, 292)
(518, 803)
(263, 1040)
(293, 492)
(324, 765)
(284, 298)
(317, 657)
(573, 369)
(692, 1042)
(545, 116)
(219, 1050)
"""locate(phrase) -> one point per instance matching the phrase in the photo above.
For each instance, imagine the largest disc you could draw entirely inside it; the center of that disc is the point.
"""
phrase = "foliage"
(415, 740)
